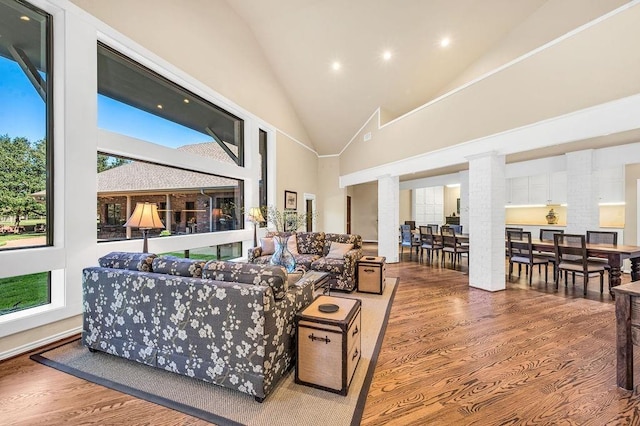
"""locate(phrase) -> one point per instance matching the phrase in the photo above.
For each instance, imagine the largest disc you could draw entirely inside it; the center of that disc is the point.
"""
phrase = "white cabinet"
(518, 191)
(557, 188)
(539, 189)
(543, 189)
(610, 185)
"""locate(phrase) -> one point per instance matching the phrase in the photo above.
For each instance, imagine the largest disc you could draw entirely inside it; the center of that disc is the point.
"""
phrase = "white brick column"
(388, 217)
(583, 212)
(464, 200)
(486, 221)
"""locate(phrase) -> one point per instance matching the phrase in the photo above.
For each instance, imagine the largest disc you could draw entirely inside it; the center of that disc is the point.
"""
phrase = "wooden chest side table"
(627, 330)
(371, 274)
(328, 344)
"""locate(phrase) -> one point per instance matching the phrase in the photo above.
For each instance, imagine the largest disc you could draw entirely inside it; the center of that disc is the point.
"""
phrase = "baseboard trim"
(39, 343)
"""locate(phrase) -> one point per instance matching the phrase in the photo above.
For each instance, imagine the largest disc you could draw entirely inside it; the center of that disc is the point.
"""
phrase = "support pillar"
(487, 187)
(388, 217)
(464, 200)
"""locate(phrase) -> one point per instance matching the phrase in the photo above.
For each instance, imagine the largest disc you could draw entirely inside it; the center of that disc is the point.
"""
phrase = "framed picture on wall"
(289, 218)
(290, 200)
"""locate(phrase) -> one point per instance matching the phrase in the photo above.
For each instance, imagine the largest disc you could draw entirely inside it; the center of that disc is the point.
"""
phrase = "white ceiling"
(302, 38)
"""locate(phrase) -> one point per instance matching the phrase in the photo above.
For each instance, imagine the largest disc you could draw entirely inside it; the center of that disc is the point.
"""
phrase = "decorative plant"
(289, 220)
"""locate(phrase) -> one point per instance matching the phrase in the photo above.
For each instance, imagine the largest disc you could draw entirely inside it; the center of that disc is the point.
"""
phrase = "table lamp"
(145, 217)
(255, 216)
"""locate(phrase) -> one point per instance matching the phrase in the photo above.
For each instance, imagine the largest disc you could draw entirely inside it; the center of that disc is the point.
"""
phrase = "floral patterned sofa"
(231, 324)
(313, 254)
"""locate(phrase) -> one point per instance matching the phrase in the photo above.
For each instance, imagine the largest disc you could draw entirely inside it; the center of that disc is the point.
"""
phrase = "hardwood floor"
(452, 355)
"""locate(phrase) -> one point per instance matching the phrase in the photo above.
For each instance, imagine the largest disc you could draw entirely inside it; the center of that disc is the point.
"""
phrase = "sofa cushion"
(310, 242)
(335, 266)
(248, 273)
(172, 265)
(125, 260)
(338, 250)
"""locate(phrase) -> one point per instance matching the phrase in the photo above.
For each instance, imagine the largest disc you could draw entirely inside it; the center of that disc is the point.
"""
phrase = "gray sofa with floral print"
(313, 253)
(231, 324)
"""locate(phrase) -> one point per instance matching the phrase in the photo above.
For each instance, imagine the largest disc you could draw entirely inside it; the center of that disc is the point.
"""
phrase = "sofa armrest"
(351, 257)
(253, 253)
(301, 294)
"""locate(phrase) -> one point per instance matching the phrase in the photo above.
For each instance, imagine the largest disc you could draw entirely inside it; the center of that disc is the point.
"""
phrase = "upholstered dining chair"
(546, 234)
(408, 241)
(571, 256)
(411, 223)
(451, 245)
(609, 238)
(521, 252)
(434, 228)
(429, 242)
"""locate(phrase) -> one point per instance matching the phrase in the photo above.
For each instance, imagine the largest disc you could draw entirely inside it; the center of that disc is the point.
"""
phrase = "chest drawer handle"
(369, 270)
(314, 338)
(355, 331)
(355, 355)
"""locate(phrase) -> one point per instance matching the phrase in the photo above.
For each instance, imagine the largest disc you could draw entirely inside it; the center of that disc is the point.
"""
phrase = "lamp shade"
(145, 216)
(255, 214)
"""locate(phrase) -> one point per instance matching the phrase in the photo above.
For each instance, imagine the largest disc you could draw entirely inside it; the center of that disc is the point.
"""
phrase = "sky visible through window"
(22, 114)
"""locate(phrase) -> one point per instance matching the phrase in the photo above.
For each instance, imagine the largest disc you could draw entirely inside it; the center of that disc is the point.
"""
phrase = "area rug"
(289, 403)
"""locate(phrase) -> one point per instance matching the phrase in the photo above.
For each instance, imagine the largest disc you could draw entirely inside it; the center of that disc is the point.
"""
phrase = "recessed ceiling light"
(159, 106)
(25, 18)
(336, 66)
(186, 101)
(446, 41)
(386, 55)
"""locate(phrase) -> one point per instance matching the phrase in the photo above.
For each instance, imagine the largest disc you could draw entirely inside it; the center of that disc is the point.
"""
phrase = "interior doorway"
(348, 214)
(310, 210)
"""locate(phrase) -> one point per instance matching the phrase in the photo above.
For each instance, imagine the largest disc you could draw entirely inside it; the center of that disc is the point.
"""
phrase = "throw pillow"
(267, 245)
(338, 250)
(292, 244)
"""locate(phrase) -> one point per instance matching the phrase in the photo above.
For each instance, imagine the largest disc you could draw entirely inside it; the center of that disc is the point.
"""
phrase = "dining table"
(615, 255)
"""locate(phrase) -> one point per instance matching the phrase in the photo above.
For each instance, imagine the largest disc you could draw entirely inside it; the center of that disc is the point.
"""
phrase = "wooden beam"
(222, 145)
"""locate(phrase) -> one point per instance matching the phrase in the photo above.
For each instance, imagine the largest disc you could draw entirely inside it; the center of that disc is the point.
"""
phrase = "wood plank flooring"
(452, 355)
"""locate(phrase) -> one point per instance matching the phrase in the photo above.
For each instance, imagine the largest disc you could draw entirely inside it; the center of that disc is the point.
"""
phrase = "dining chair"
(451, 245)
(411, 223)
(609, 238)
(521, 252)
(429, 243)
(546, 234)
(408, 241)
(434, 228)
(571, 256)
(456, 228)
(507, 229)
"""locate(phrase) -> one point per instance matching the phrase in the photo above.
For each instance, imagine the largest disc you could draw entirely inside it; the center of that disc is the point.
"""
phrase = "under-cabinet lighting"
(453, 185)
(523, 206)
(618, 203)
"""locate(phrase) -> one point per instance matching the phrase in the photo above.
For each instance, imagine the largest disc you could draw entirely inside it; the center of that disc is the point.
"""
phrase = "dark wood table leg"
(624, 344)
(635, 269)
(615, 264)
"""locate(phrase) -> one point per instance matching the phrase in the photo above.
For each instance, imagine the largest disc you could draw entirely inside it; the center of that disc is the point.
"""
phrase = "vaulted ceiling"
(302, 39)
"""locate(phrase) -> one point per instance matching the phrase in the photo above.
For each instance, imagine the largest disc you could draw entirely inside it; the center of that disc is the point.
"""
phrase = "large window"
(188, 202)
(135, 101)
(25, 136)
(26, 176)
